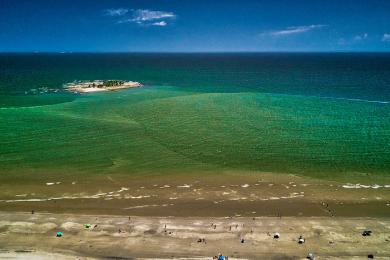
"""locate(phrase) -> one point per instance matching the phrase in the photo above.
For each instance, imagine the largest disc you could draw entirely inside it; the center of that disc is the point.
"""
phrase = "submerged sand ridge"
(129, 237)
(100, 85)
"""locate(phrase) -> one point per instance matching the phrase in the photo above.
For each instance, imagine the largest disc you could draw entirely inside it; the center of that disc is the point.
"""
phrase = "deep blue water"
(342, 75)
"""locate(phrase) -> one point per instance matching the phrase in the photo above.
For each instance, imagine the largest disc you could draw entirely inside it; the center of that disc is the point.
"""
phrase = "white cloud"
(149, 17)
(357, 39)
(116, 12)
(294, 30)
(162, 23)
(386, 37)
(143, 15)
(360, 37)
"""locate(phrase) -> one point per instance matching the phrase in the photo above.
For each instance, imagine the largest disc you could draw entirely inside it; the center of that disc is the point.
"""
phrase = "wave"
(355, 99)
(361, 186)
(334, 98)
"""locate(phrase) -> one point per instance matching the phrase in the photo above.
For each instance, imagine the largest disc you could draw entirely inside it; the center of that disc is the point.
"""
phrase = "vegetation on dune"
(111, 83)
(108, 83)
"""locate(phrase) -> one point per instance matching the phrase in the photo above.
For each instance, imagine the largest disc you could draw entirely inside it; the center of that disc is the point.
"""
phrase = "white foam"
(361, 186)
(358, 100)
(148, 206)
(123, 189)
(184, 186)
(24, 200)
(341, 98)
(138, 197)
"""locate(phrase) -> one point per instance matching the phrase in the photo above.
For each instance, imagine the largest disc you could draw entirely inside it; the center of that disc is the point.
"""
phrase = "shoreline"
(100, 86)
(224, 195)
(132, 237)
(164, 217)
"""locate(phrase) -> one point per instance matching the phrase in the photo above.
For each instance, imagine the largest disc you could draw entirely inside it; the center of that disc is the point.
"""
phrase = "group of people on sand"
(220, 257)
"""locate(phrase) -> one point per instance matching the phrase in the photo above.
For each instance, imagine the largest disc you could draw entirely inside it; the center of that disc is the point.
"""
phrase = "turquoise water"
(323, 115)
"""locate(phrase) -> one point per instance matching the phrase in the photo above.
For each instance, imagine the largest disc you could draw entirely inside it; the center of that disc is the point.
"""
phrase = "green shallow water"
(165, 130)
(321, 115)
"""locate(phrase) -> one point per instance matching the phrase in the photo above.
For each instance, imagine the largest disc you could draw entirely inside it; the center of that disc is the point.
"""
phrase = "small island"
(100, 85)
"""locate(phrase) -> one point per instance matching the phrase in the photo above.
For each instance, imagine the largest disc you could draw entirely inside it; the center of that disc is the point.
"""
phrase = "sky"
(194, 25)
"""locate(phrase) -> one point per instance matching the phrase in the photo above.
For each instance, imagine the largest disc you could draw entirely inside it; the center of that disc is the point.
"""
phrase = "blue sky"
(194, 25)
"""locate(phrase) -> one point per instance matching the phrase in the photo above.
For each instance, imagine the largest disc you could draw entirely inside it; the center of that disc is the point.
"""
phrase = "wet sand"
(133, 237)
(237, 195)
(160, 217)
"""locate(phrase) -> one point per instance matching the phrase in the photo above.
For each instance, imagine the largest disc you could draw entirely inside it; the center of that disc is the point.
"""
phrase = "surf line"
(331, 98)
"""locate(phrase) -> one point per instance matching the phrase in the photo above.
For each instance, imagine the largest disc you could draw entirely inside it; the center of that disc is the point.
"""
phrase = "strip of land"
(197, 195)
(159, 217)
(102, 236)
(100, 85)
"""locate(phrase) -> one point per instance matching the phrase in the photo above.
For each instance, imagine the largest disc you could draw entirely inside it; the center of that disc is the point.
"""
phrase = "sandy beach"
(100, 86)
(129, 237)
(164, 218)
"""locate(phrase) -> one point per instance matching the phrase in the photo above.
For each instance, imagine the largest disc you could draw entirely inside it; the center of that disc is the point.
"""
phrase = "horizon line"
(185, 52)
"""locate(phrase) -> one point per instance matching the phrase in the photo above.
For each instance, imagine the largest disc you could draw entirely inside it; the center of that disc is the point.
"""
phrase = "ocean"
(315, 114)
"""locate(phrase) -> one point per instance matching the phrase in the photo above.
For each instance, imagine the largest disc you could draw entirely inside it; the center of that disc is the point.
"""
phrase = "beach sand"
(131, 213)
(123, 237)
(98, 86)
